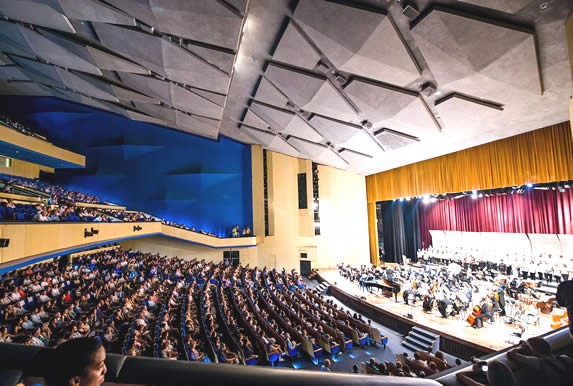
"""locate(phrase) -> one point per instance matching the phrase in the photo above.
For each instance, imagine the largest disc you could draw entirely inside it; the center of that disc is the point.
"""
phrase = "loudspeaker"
(302, 201)
(4, 243)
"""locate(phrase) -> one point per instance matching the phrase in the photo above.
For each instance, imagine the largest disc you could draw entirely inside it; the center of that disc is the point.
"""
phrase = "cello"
(476, 311)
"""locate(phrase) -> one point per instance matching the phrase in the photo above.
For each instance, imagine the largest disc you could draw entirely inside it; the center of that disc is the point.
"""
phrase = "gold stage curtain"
(540, 156)
(372, 231)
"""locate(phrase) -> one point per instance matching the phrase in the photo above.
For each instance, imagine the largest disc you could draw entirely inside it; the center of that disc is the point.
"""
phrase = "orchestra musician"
(486, 313)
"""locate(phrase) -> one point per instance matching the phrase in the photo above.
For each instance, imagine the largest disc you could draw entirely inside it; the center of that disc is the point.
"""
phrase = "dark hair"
(69, 359)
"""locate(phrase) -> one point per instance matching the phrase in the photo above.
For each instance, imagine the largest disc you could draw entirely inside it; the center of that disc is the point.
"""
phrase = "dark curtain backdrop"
(412, 228)
(534, 211)
(401, 229)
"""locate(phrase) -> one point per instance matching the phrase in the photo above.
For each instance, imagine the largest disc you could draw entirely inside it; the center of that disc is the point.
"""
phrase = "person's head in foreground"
(76, 362)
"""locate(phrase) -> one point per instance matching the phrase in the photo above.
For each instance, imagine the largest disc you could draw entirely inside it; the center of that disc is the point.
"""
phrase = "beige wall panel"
(169, 247)
(344, 230)
(39, 146)
(24, 169)
(33, 239)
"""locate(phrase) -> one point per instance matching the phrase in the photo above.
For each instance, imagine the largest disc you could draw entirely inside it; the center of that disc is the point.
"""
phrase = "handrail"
(148, 371)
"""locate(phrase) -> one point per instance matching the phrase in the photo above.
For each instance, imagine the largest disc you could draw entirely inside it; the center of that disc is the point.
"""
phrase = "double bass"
(476, 311)
(546, 307)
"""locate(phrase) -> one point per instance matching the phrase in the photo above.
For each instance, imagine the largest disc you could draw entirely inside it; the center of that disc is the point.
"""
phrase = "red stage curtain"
(534, 211)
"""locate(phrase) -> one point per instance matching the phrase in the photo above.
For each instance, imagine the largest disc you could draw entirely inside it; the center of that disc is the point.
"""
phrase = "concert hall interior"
(303, 192)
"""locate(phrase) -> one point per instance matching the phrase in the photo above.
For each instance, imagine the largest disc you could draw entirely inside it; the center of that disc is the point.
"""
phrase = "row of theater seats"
(423, 364)
(197, 310)
(19, 127)
(54, 197)
(53, 193)
(535, 371)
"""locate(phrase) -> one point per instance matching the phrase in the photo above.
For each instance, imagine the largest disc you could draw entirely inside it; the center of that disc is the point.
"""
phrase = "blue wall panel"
(167, 173)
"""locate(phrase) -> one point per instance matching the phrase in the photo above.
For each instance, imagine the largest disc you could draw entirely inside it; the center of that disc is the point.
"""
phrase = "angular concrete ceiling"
(360, 85)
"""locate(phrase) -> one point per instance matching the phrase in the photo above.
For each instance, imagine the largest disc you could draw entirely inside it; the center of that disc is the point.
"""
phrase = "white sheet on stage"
(497, 244)
(566, 245)
(541, 243)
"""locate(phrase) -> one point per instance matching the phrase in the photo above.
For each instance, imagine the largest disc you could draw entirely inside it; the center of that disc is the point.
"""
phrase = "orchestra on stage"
(471, 287)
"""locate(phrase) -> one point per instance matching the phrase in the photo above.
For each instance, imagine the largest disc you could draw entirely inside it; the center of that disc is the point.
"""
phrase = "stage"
(457, 337)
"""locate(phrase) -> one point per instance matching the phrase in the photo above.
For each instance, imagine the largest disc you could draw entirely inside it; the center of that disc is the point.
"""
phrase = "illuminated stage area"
(457, 337)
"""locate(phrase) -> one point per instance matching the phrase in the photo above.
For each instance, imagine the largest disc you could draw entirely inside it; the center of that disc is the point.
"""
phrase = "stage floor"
(496, 336)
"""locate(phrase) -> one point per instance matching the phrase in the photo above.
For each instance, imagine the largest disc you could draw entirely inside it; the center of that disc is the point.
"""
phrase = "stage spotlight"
(529, 185)
(474, 194)
(426, 199)
(407, 198)
(401, 199)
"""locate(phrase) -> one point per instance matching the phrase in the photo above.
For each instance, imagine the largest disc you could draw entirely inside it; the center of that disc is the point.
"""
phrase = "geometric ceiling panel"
(414, 119)
(392, 140)
(281, 146)
(454, 111)
(376, 101)
(140, 47)
(299, 86)
(141, 10)
(4, 60)
(12, 73)
(328, 101)
(509, 6)
(336, 132)
(218, 99)
(40, 72)
(197, 125)
(358, 41)
(327, 75)
(310, 92)
(36, 13)
(128, 95)
(264, 137)
(155, 88)
(202, 20)
(193, 103)
(92, 11)
(11, 35)
(160, 112)
(295, 50)
(163, 57)
(221, 59)
(144, 118)
(254, 120)
(478, 58)
(180, 66)
(72, 45)
(107, 61)
(353, 157)
(298, 127)
(268, 93)
(54, 52)
(86, 85)
(22, 88)
(329, 157)
(275, 117)
(313, 150)
(363, 143)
